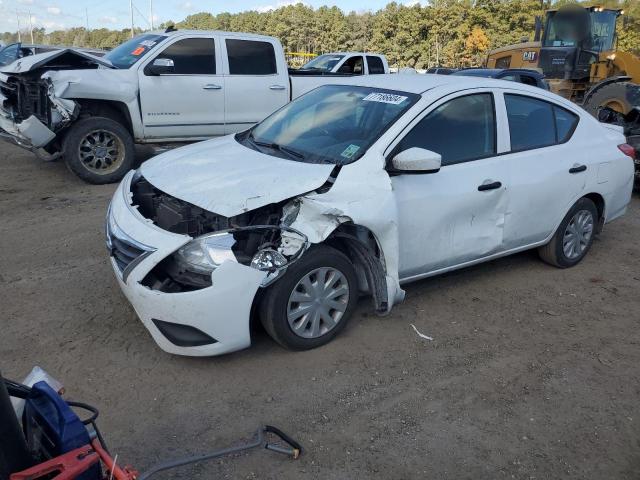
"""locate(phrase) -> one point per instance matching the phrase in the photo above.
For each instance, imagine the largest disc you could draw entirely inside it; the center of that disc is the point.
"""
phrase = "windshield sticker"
(385, 98)
(148, 43)
(138, 51)
(350, 151)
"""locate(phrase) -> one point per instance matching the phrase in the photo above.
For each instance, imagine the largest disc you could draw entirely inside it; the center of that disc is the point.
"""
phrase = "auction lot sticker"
(350, 151)
(385, 98)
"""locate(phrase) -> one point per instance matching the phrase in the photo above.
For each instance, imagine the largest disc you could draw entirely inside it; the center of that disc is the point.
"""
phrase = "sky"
(114, 14)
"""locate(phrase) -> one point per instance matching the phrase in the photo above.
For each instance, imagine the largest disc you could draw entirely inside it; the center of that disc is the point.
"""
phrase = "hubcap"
(577, 234)
(101, 152)
(318, 302)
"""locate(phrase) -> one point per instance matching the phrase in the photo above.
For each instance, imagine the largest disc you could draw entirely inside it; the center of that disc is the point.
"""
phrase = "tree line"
(442, 33)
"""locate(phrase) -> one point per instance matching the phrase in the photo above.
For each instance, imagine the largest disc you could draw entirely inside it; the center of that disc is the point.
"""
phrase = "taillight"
(628, 150)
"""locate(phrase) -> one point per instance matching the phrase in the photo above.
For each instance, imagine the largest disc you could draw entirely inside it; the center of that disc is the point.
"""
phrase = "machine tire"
(620, 96)
(276, 303)
(553, 252)
(107, 134)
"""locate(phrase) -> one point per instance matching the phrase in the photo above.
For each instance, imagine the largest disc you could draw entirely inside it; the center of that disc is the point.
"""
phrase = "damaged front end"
(256, 239)
(31, 115)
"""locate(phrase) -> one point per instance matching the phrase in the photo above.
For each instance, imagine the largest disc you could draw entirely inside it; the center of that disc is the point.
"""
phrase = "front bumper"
(31, 135)
(221, 311)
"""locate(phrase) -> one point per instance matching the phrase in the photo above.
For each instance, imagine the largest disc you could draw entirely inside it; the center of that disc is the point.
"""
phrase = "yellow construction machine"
(577, 53)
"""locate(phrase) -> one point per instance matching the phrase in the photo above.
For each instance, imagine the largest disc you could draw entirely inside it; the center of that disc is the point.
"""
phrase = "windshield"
(595, 31)
(331, 124)
(323, 62)
(9, 53)
(125, 55)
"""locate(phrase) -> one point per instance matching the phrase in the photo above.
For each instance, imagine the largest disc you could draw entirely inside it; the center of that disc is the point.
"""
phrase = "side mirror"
(160, 66)
(417, 160)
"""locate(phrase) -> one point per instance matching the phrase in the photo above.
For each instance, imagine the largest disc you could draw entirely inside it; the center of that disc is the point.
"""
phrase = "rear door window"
(531, 122)
(534, 123)
(251, 57)
(375, 65)
(460, 130)
(192, 56)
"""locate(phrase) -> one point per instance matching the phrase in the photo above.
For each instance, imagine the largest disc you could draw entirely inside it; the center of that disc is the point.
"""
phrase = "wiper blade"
(274, 146)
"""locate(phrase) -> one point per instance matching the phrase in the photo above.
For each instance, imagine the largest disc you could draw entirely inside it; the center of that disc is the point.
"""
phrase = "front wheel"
(99, 150)
(574, 236)
(313, 301)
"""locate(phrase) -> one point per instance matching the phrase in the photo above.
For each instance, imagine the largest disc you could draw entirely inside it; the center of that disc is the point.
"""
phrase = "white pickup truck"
(171, 86)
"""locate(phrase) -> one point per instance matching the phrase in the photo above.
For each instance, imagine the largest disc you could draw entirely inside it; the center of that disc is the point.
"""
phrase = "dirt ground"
(533, 372)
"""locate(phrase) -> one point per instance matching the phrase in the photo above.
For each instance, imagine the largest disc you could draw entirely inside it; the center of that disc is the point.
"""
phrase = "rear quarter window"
(566, 123)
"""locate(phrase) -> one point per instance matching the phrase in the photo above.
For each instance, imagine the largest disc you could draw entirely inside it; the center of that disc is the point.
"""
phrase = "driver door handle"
(577, 168)
(212, 86)
(489, 186)
(277, 87)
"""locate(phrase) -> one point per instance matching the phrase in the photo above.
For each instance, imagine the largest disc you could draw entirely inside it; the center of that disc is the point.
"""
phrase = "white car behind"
(356, 189)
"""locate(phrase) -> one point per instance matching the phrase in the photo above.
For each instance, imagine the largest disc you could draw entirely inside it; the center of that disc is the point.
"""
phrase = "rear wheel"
(313, 301)
(99, 150)
(574, 236)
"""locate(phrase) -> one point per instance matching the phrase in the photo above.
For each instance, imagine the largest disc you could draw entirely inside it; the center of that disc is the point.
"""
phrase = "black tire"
(103, 171)
(621, 96)
(275, 302)
(553, 252)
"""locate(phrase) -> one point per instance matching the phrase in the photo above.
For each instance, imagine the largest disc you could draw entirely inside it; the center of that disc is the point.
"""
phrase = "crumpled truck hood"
(226, 178)
(51, 59)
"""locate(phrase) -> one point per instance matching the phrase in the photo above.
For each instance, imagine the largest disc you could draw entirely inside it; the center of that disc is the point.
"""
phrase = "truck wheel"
(313, 301)
(99, 150)
(621, 97)
(574, 236)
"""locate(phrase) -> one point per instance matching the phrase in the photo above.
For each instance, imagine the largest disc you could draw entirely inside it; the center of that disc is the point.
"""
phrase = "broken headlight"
(267, 248)
(204, 254)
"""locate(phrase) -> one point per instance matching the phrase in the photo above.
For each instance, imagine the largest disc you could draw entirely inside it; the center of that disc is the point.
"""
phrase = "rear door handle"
(489, 186)
(212, 86)
(277, 87)
(577, 168)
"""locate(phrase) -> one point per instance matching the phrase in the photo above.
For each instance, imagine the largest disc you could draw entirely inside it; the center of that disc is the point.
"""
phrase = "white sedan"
(356, 189)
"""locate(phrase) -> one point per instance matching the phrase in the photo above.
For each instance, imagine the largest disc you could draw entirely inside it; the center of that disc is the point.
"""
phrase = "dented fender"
(319, 214)
(66, 87)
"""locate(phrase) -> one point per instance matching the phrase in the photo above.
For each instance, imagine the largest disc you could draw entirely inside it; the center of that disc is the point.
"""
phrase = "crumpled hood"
(226, 178)
(63, 55)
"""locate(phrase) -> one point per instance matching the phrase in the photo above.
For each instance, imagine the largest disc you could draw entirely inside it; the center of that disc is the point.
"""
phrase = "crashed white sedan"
(356, 189)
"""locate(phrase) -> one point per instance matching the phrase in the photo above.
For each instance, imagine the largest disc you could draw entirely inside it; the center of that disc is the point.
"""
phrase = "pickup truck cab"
(158, 87)
(353, 63)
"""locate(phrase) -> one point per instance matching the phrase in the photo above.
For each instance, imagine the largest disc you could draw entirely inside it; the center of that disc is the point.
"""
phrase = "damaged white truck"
(173, 86)
(353, 190)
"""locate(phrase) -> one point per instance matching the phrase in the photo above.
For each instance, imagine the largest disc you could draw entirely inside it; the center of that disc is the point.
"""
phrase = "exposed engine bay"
(254, 238)
(27, 98)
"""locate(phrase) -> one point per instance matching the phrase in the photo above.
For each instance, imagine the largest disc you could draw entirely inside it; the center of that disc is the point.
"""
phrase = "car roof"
(495, 72)
(480, 72)
(178, 32)
(352, 53)
(420, 83)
